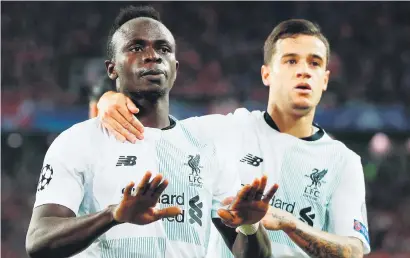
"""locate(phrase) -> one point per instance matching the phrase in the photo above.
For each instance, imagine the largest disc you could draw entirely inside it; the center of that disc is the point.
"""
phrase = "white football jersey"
(86, 170)
(321, 181)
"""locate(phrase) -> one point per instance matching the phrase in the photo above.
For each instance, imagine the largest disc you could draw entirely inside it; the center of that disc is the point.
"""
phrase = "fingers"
(167, 212)
(114, 132)
(109, 121)
(227, 201)
(242, 195)
(228, 223)
(254, 189)
(261, 189)
(128, 190)
(225, 215)
(229, 218)
(160, 189)
(144, 184)
(154, 184)
(127, 120)
(153, 188)
(131, 106)
(123, 126)
(271, 192)
(117, 110)
(132, 119)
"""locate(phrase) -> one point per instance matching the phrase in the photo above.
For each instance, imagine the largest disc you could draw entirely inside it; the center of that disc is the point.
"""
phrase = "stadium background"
(52, 52)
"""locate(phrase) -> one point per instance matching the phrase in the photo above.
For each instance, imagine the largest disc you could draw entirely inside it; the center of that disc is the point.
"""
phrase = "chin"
(148, 87)
(301, 109)
(148, 93)
(302, 104)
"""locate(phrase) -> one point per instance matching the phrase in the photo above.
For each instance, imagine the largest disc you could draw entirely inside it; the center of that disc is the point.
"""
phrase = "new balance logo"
(126, 161)
(305, 217)
(195, 211)
(252, 160)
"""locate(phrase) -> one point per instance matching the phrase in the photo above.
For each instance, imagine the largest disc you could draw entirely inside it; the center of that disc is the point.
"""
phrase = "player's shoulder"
(80, 135)
(244, 113)
(340, 147)
(200, 121)
(237, 115)
(81, 130)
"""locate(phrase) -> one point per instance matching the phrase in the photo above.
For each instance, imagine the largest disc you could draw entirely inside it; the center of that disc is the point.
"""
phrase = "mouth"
(303, 88)
(152, 73)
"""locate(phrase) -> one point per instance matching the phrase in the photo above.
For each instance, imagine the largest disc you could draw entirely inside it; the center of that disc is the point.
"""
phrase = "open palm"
(249, 206)
(139, 208)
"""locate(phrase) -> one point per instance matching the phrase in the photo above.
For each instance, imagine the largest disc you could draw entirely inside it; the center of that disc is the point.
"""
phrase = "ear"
(110, 66)
(176, 66)
(327, 76)
(265, 73)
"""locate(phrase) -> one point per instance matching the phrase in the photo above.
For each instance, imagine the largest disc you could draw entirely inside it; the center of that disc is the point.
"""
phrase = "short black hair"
(291, 28)
(126, 14)
(103, 85)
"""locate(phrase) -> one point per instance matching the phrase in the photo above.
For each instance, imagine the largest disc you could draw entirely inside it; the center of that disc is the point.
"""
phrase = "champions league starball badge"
(45, 177)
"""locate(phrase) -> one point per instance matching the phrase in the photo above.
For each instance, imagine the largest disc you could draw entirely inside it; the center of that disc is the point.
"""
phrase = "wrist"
(249, 229)
(111, 209)
(290, 225)
(284, 221)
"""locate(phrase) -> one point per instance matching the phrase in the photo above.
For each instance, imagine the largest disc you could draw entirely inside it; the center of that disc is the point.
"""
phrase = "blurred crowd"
(219, 47)
(45, 46)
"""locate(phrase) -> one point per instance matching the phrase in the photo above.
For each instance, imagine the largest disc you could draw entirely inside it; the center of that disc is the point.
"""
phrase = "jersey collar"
(172, 123)
(314, 137)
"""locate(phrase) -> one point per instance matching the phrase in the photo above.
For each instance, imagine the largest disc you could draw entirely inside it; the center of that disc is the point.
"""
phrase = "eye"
(136, 49)
(315, 63)
(291, 61)
(165, 50)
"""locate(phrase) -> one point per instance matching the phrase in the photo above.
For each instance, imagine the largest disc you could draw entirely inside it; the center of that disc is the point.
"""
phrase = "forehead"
(303, 45)
(142, 29)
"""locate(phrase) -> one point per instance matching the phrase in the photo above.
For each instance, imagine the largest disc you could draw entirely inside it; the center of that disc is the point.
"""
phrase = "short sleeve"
(227, 183)
(212, 127)
(62, 175)
(348, 215)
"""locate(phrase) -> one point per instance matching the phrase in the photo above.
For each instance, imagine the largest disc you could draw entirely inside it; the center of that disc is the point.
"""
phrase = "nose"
(152, 56)
(303, 71)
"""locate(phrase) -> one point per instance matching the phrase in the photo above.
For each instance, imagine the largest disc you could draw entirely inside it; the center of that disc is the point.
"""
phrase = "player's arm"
(239, 222)
(314, 242)
(318, 243)
(253, 245)
(55, 231)
(344, 238)
(116, 112)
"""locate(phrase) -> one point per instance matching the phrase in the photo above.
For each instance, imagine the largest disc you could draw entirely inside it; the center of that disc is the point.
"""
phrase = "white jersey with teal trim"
(321, 181)
(86, 170)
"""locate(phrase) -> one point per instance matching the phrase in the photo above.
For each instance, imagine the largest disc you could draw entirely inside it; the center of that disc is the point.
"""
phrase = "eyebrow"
(143, 41)
(295, 55)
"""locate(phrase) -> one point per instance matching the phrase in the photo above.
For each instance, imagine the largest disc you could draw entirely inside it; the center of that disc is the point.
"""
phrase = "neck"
(154, 109)
(299, 126)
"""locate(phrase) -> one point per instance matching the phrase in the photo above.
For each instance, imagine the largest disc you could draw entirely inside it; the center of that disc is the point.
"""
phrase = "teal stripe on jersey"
(172, 169)
(142, 247)
(202, 146)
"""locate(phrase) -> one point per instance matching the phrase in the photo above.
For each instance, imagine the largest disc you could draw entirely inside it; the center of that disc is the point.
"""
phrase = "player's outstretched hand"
(139, 208)
(116, 113)
(249, 206)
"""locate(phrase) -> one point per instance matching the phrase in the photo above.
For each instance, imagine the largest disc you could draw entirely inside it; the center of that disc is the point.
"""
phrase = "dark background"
(53, 52)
